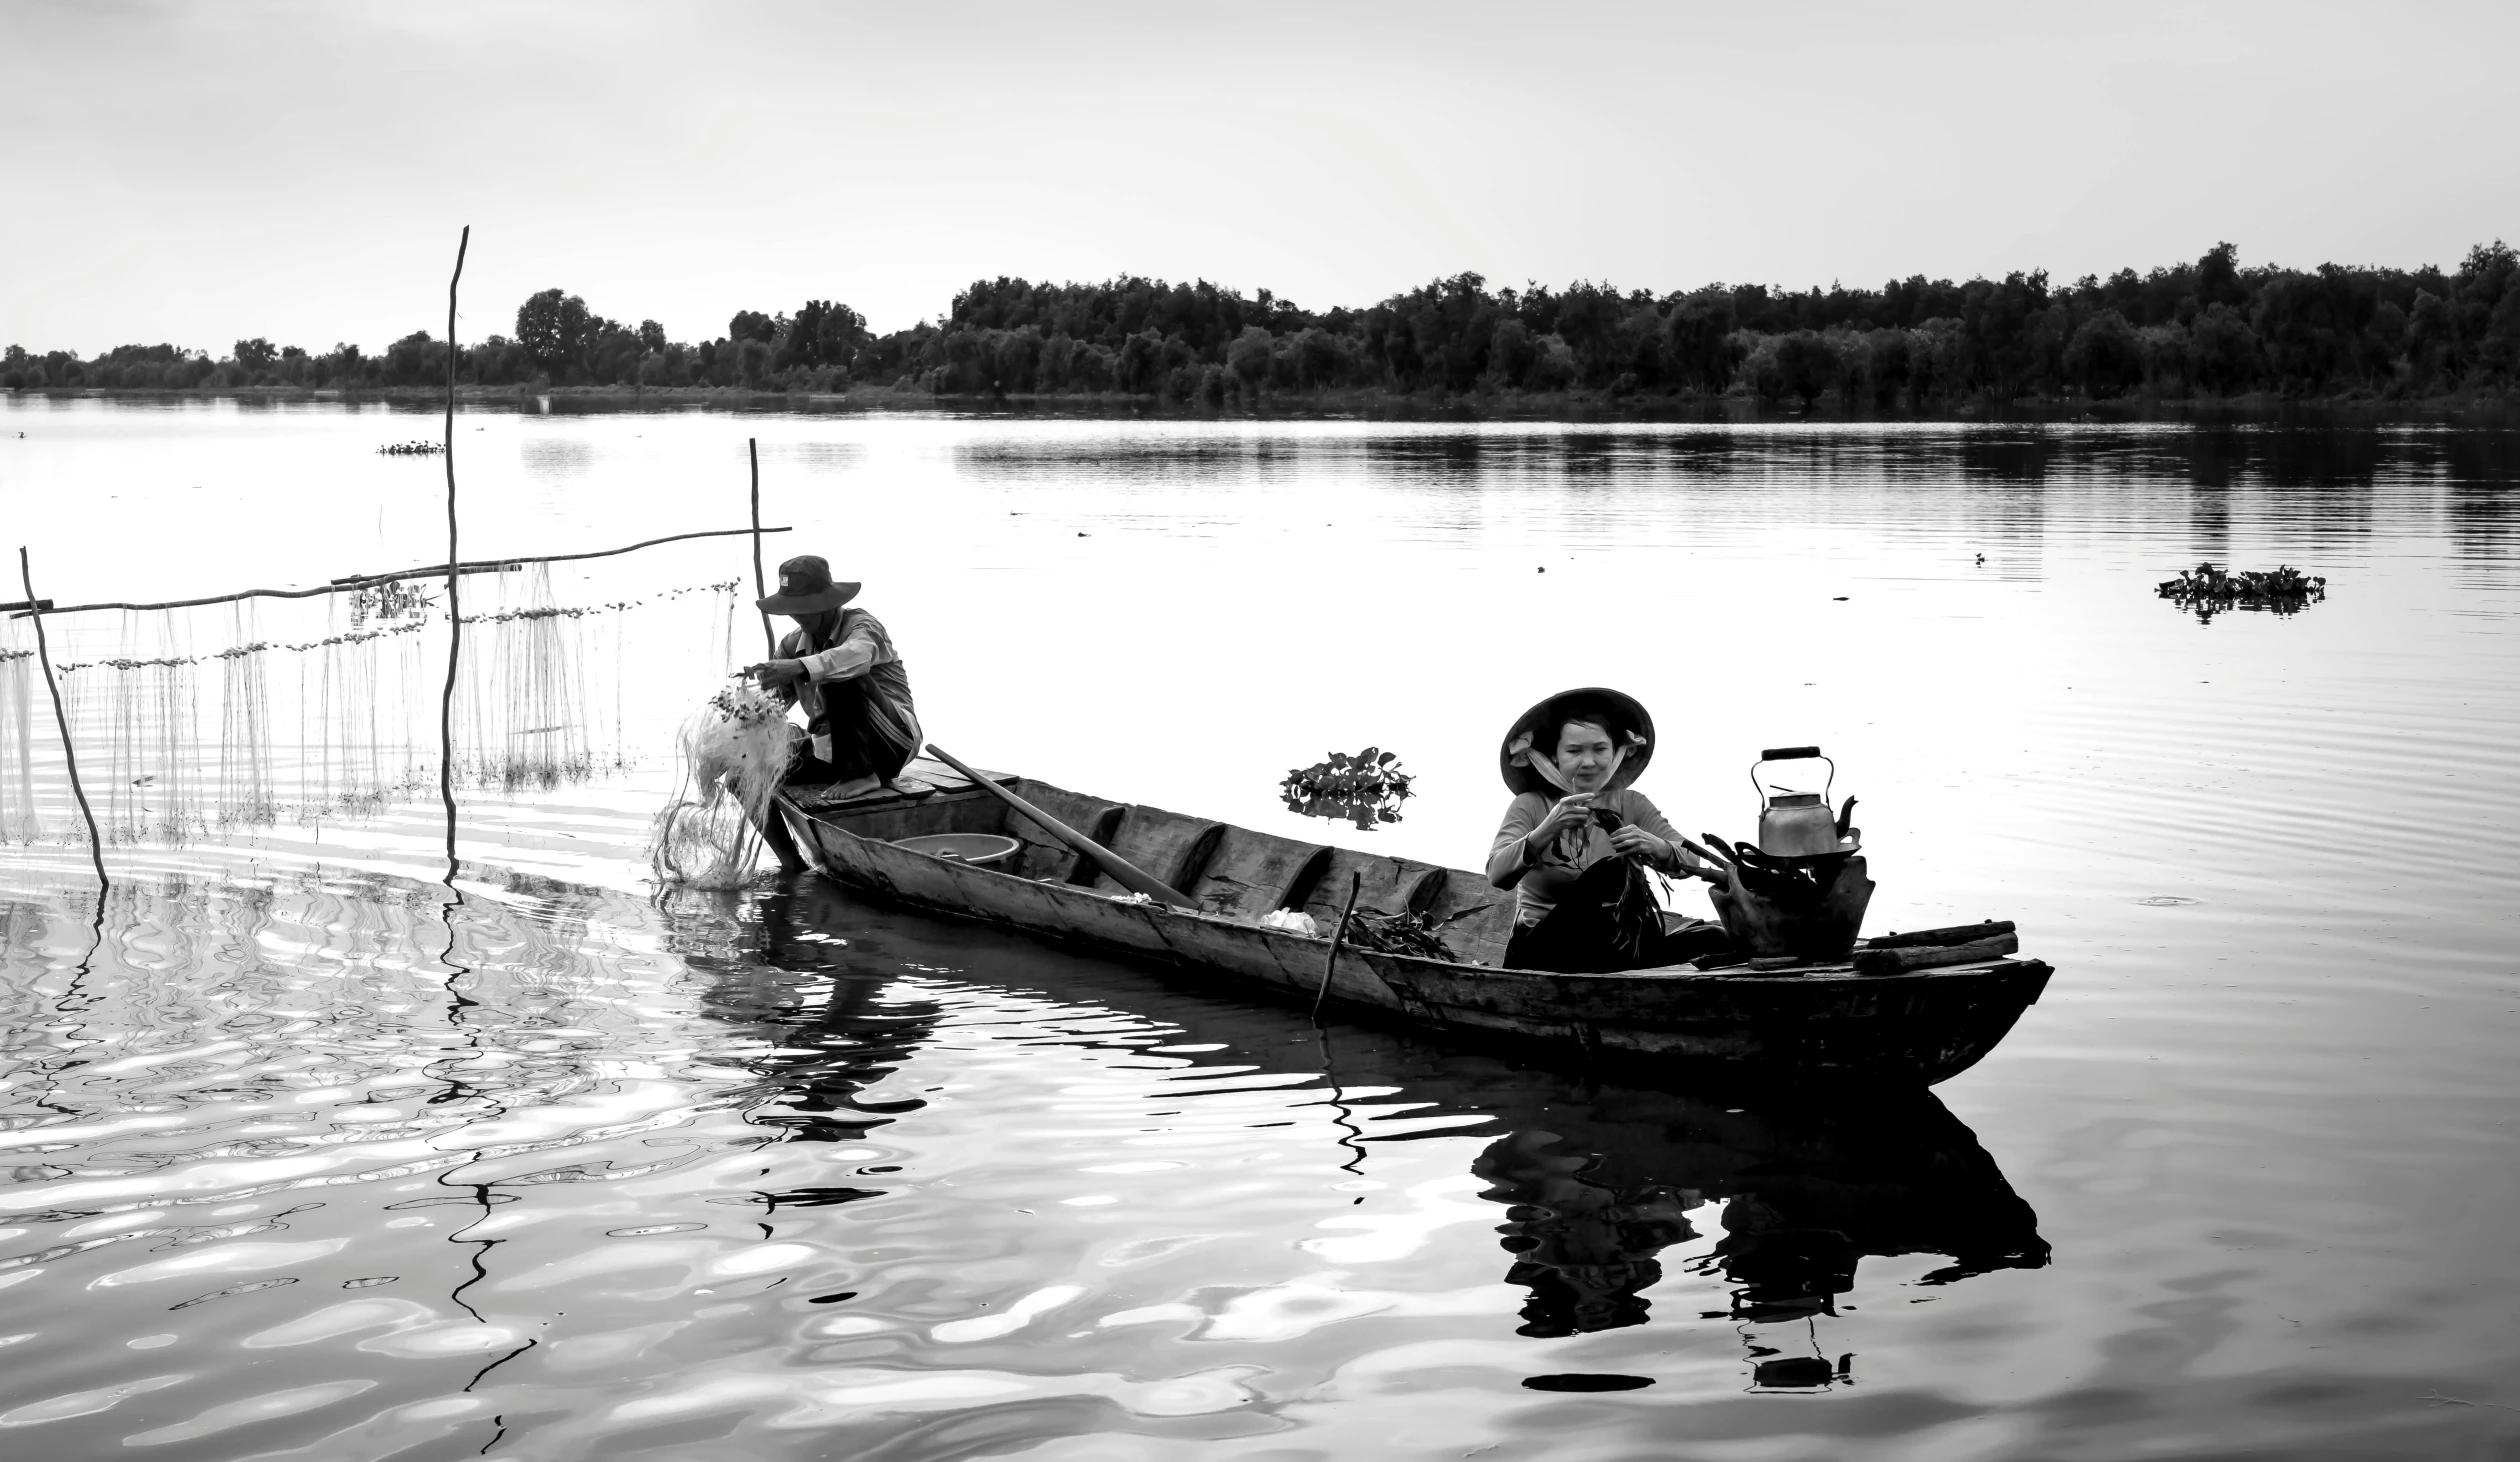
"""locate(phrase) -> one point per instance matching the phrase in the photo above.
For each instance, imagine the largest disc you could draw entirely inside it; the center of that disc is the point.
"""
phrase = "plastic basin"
(965, 847)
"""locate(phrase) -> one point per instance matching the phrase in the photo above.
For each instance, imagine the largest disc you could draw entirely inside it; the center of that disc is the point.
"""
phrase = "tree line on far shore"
(2212, 328)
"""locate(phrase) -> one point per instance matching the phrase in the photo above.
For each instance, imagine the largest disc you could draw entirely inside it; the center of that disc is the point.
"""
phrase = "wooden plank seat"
(1043, 855)
(1164, 845)
(1253, 873)
(1474, 917)
(1391, 885)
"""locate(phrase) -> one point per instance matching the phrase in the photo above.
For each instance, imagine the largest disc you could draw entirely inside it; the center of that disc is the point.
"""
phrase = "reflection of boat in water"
(1814, 1024)
(1594, 1182)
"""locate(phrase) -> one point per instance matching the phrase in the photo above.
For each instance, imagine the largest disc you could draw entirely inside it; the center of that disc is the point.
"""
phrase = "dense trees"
(2214, 327)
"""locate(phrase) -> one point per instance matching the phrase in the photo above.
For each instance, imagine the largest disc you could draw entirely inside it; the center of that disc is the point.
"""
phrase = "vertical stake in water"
(761, 585)
(61, 718)
(454, 561)
(1356, 885)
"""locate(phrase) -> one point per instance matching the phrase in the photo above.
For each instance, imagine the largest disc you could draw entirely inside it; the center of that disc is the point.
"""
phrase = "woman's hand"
(1629, 840)
(772, 674)
(1569, 811)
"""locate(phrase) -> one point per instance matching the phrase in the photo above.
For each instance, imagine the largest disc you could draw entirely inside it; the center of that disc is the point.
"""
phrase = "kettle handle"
(1792, 753)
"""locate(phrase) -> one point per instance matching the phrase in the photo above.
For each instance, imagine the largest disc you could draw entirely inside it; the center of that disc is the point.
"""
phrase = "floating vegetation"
(1366, 788)
(2208, 590)
(411, 449)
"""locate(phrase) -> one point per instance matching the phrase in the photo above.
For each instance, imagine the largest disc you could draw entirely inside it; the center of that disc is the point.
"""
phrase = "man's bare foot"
(854, 787)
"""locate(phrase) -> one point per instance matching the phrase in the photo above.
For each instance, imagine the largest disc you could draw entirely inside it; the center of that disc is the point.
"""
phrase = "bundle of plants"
(2209, 590)
(410, 449)
(1401, 933)
(1366, 788)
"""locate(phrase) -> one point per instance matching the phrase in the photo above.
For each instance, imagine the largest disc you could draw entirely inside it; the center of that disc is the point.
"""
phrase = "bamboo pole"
(761, 584)
(61, 718)
(454, 577)
(362, 581)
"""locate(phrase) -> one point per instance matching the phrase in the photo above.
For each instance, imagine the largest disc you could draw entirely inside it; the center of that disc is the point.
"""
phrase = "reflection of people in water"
(860, 1037)
(1807, 1194)
(1586, 1252)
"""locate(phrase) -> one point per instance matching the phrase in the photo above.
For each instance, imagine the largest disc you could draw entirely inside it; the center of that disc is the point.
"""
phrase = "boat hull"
(1818, 1025)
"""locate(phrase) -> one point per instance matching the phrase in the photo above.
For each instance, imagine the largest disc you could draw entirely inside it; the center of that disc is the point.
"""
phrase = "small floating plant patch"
(410, 449)
(1366, 788)
(2208, 590)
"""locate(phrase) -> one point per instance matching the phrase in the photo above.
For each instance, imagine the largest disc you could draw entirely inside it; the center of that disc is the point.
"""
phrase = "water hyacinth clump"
(1366, 788)
(2208, 590)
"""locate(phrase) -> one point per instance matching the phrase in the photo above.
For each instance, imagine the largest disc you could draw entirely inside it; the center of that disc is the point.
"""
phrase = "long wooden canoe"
(1814, 1024)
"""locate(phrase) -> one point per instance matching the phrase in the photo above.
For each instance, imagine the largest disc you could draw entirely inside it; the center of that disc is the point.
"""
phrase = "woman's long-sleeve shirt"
(1538, 874)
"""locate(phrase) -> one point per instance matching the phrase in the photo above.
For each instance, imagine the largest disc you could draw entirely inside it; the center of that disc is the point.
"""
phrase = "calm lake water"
(308, 1156)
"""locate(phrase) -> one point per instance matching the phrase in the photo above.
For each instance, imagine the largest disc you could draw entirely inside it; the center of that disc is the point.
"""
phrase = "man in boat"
(1578, 837)
(840, 665)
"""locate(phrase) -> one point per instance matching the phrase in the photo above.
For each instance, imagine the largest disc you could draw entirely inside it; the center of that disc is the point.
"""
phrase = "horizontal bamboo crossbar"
(362, 581)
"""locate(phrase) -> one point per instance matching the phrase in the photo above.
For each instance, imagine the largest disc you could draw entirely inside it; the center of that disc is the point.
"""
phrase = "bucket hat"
(1515, 754)
(805, 587)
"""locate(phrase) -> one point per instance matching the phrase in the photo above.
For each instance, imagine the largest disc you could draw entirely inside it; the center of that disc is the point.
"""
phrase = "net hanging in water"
(18, 690)
(735, 750)
(221, 718)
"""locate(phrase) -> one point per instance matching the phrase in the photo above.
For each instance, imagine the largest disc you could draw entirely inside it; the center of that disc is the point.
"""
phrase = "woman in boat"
(840, 665)
(1578, 836)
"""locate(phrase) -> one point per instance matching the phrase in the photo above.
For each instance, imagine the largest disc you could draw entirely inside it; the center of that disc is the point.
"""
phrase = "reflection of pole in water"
(1351, 1136)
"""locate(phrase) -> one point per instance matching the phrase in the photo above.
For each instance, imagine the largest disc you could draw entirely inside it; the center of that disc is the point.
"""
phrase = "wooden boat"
(1811, 1024)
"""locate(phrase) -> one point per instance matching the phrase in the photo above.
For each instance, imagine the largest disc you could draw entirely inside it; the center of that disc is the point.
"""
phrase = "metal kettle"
(1795, 824)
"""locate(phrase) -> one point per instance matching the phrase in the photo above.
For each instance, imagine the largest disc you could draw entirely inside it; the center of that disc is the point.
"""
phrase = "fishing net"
(18, 693)
(237, 716)
(735, 750)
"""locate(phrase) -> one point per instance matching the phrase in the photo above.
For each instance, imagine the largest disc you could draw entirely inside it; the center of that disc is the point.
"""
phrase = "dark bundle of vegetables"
(1401, 933)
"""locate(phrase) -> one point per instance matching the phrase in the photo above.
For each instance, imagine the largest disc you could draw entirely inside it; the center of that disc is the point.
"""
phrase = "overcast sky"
(201, 171)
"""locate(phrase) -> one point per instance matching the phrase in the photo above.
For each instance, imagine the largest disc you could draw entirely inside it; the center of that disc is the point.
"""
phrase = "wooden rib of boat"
(1819, 1023)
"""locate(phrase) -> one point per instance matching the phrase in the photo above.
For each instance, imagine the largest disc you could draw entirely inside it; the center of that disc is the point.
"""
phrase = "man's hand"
(772, 674)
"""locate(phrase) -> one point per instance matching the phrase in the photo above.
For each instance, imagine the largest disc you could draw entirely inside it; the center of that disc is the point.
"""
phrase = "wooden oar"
(1123, 872)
